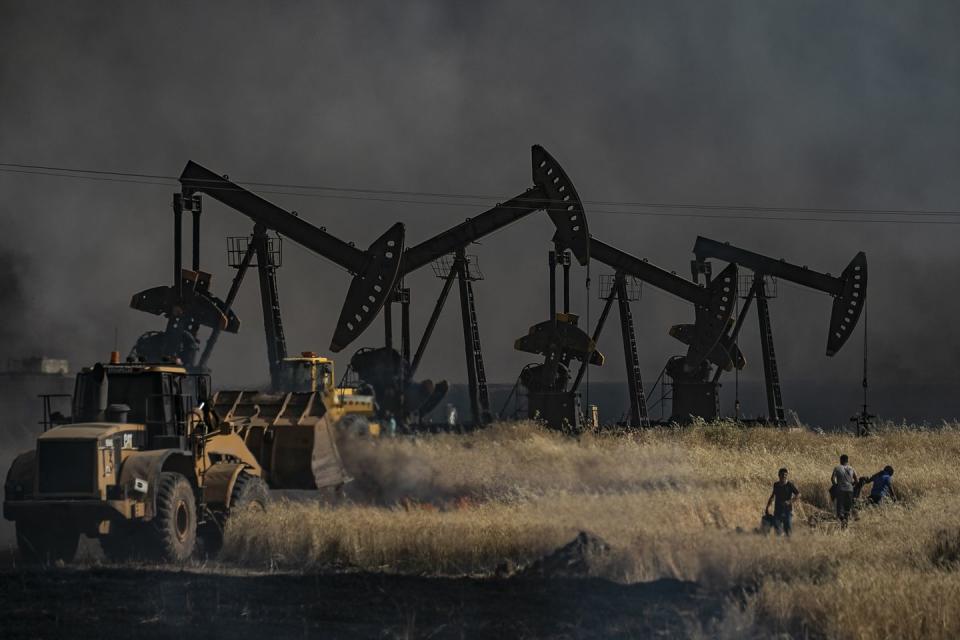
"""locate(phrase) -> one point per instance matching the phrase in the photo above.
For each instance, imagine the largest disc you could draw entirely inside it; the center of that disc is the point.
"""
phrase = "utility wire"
(378, 195)
(658, 205)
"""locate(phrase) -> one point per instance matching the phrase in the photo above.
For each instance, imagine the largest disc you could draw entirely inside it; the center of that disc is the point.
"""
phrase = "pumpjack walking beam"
(375, 270)
(553, 192)
(713, 303)
(849, 290)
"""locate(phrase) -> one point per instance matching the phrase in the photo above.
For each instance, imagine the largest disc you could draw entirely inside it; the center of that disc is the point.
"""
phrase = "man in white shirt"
(843, 480)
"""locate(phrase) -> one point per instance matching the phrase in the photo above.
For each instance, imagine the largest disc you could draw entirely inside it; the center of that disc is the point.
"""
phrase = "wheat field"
(678, 503)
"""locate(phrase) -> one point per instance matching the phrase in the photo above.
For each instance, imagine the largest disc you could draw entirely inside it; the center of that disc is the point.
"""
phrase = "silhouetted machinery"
(378, 282)
(694, 395)
(552, 192)
(849, 292)
(560, 340)
(189, 305)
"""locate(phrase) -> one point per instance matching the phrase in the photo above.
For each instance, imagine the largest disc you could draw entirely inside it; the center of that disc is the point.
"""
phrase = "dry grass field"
(671, 503)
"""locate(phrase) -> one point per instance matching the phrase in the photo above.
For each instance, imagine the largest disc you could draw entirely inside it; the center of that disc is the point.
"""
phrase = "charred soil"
(147, 602)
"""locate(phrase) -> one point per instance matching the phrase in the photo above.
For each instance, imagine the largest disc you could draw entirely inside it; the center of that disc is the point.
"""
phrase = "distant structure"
(23, 382)
(36, 366)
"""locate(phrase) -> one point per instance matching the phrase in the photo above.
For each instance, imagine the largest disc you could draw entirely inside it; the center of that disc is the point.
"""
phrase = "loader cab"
(305, 373)
(161, 397)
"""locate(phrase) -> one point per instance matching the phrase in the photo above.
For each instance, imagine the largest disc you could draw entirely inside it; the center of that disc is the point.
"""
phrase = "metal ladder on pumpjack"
(633, 360)
(279, 340)
(774, 398)
(484, 397)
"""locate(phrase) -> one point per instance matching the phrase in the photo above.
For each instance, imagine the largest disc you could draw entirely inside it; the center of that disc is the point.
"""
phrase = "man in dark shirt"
(782, 498)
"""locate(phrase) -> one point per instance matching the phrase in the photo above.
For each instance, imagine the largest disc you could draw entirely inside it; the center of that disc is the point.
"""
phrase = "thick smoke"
(12, 299)
(785, 104)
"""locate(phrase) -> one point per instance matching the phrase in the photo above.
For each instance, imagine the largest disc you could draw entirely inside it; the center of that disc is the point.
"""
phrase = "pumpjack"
(849, 292)
(693, 394)
(188, 304)
(552, 192)
(560, 341)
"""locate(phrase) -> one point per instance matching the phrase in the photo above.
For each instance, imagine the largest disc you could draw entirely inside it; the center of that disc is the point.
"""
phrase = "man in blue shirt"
(882, 485)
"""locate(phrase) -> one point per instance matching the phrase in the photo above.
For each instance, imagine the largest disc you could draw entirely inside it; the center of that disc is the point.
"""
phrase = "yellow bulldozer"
(293, 432)
(152, 463)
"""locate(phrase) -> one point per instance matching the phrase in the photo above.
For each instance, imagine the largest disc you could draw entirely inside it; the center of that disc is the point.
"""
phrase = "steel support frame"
(771, 376)
(460, 264)
(638, 404)
(270, 303)
(228, 303)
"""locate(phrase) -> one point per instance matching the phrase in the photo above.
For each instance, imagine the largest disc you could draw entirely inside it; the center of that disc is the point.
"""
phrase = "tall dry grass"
(679, 503)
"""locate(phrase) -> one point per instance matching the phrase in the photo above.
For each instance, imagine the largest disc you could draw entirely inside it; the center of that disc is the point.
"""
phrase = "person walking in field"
(842, 481)
(782, 498)
(882, 485)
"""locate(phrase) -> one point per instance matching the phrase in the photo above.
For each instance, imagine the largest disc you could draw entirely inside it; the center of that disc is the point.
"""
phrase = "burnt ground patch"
(100, 601)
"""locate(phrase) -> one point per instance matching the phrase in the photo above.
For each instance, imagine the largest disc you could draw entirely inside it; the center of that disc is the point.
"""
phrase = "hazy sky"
(797, 104)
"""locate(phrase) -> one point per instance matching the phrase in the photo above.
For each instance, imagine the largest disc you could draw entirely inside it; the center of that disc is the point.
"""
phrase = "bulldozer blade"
(371, 288)
(325, 462)
(848, 306)
(712, 321)
(564, 206)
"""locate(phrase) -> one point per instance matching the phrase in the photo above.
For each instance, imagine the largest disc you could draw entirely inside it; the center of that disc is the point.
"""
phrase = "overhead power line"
(673, 209)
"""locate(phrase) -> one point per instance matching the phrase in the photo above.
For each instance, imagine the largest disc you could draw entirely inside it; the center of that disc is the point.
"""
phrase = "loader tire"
(249, 492)
(172, 534)
(46, 542)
